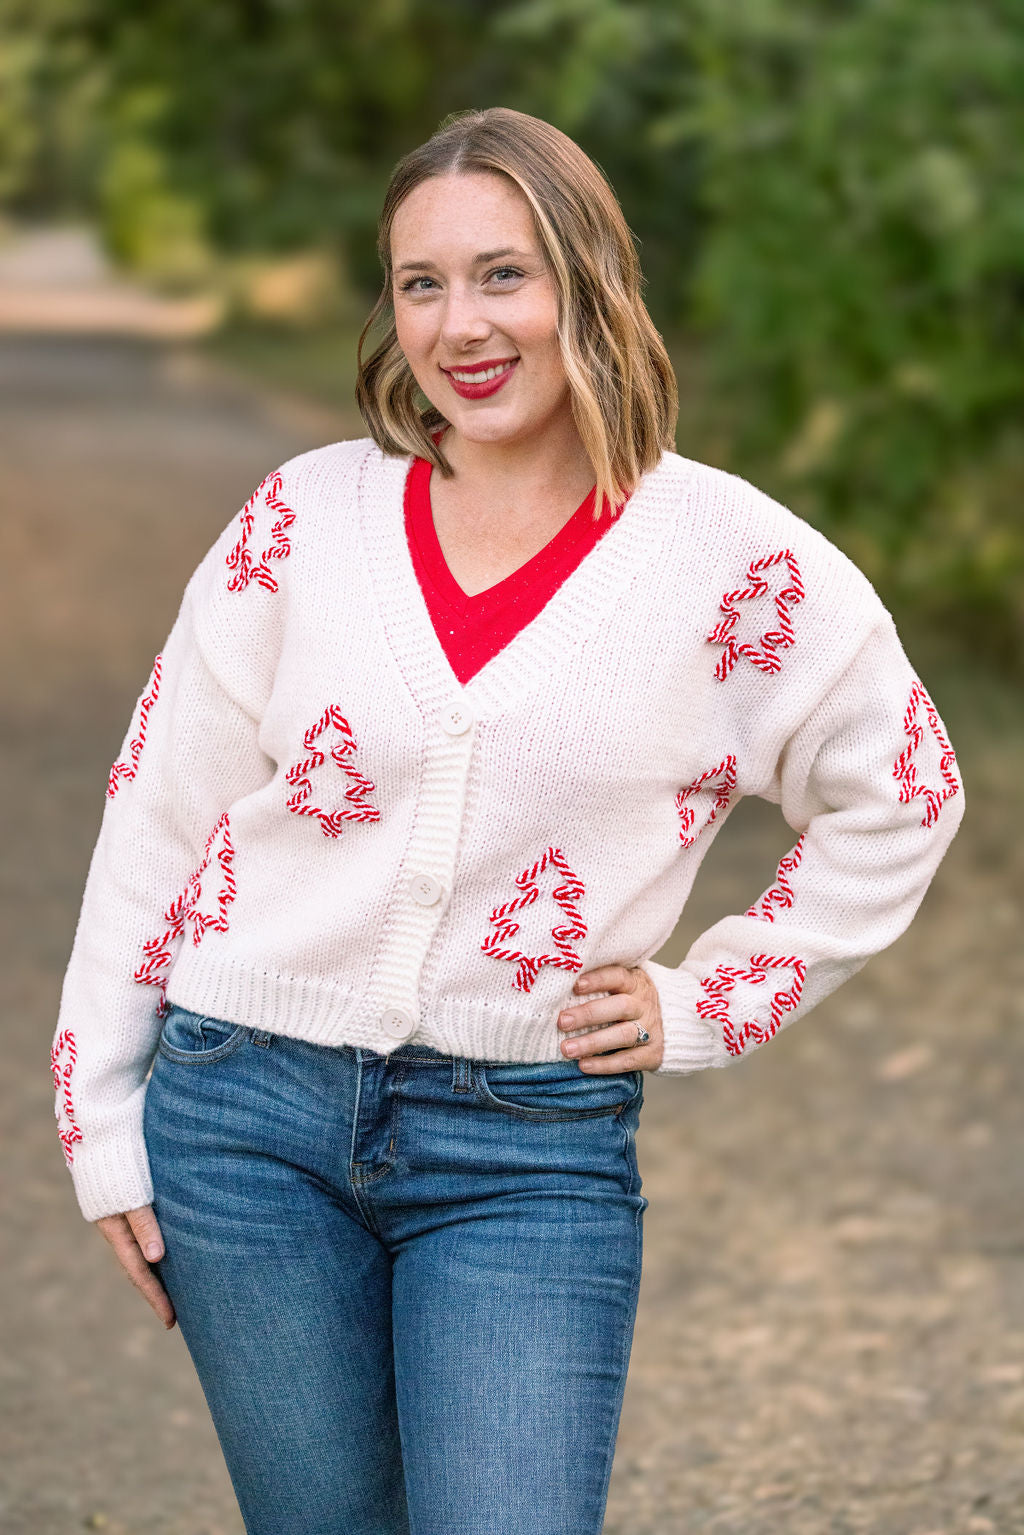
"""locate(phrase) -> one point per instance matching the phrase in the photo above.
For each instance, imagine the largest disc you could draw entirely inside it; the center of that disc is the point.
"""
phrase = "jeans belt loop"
(462, 1075)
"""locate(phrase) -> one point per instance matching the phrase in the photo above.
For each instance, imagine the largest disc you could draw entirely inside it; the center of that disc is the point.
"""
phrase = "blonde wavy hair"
(624, 397)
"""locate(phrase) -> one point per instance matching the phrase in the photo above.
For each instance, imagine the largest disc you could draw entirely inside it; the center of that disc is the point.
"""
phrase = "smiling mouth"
(481, 375)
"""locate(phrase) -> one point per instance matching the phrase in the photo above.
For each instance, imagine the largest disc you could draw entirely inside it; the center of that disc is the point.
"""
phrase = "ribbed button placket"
(429, 863)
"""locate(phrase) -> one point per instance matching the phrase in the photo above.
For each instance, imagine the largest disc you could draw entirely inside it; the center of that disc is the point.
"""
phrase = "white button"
(456, 719)
(425, 889)
(395, 1023)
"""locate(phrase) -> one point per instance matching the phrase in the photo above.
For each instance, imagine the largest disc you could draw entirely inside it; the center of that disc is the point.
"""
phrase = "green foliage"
(282, 121)
(828, 199)
(51, 85)
(150, 224)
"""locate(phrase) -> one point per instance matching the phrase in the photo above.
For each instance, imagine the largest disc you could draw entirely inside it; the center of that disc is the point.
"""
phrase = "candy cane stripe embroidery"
(157, 951)
(781, 893)
(764, 655)
(564, 936)
(723, 780)
(355, 806)
(905, 768)
(63, 1058)
(241, 559)
(216, 874)
(715, 1004)
(125, 771)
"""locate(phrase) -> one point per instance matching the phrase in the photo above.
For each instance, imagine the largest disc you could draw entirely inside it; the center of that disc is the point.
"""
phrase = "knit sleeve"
(160, 872)
(870, 783)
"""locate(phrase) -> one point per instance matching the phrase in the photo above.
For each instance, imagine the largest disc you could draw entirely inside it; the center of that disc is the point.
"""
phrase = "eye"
(503, 274)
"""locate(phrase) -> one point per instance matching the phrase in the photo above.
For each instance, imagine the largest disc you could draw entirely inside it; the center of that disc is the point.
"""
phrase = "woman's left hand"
(613, 1047)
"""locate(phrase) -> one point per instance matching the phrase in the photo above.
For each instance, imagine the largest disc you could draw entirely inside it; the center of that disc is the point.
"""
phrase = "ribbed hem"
(488, 1034)
(110, 1170)
(316, 1011)
(690, 1043)
(328, 1015)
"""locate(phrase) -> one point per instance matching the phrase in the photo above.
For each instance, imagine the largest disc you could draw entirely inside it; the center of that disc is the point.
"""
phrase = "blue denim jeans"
(407, 1282)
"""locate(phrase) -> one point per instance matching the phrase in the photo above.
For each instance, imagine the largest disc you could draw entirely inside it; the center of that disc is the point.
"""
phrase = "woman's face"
(472, 291)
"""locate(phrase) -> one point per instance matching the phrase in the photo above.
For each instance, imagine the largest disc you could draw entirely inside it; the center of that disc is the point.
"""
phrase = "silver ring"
(642, 1036)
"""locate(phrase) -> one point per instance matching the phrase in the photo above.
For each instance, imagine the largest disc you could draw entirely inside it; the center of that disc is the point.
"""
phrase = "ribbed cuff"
(110, 1169)
(690, 1043)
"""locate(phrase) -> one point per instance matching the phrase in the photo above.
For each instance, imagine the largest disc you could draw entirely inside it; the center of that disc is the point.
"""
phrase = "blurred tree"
(281, 119)
(51, 86)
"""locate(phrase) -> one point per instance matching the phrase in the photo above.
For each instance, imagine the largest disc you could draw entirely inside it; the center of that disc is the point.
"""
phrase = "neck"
(514, 471)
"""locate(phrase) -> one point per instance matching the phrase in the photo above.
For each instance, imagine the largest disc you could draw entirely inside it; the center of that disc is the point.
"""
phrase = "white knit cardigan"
(312, 828)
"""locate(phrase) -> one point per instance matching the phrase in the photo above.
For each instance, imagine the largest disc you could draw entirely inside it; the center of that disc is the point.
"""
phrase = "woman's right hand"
(137, 1243)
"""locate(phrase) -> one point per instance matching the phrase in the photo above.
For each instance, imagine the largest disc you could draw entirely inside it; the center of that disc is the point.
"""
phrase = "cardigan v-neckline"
(418, 485)
(651, 515)
(474, 626)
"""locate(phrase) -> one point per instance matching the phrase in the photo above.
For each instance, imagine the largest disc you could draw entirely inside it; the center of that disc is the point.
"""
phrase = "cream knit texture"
(311, 828)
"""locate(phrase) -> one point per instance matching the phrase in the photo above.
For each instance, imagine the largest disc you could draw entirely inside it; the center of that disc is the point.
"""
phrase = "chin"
(489, 431)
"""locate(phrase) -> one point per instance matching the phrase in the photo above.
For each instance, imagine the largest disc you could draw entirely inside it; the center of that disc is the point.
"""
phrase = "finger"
(148, 1284)
(640, 1058)
(146, 1231)
(607, 978)
(602, 1010)
(617, 1036)
(129, 1255)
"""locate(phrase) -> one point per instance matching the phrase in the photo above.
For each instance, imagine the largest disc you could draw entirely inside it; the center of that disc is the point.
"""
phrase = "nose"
(463, 319)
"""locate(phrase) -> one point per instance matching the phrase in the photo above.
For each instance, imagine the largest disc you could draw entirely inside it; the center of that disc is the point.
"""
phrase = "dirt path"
(831, 1328)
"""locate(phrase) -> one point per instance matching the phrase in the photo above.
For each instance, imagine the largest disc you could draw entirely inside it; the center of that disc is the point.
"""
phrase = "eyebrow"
(480, 257)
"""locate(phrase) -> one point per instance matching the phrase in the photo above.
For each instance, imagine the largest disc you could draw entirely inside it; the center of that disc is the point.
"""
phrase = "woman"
(446, 723)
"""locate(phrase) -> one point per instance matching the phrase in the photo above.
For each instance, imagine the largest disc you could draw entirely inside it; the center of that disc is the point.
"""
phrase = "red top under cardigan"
(473, 629)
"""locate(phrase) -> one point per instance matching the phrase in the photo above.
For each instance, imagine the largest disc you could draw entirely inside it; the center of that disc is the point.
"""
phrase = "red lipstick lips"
(490, 386)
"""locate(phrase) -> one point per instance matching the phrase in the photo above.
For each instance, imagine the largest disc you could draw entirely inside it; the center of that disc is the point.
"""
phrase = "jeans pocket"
(554, 1089)
(196, 1039)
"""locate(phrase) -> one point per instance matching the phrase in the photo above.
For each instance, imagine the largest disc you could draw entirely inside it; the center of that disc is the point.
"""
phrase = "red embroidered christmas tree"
(719, 1003)
(354, 787)
(764, 653)
(212, 886)
(566, 894)
(781, 893)
(125, 771)
(714, 786)
(63, 1056)
(905, 768)
(203, 903)
(259, 544)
